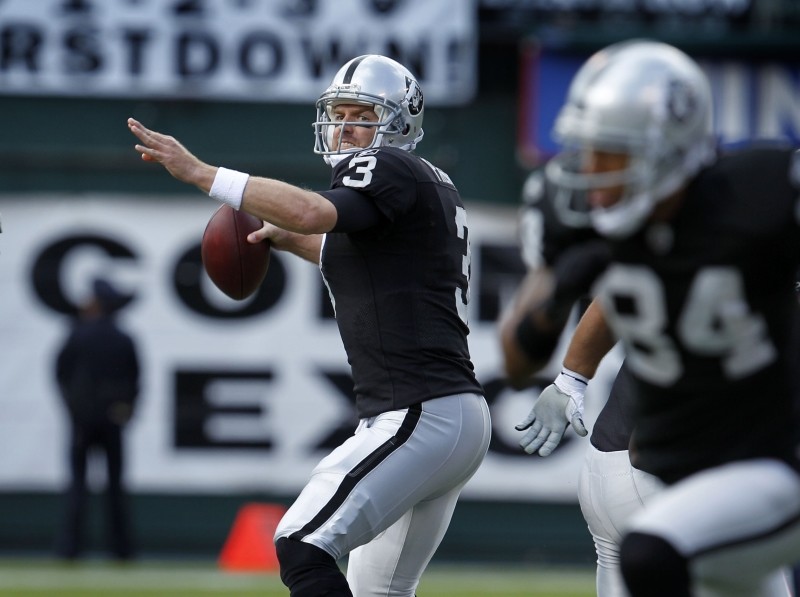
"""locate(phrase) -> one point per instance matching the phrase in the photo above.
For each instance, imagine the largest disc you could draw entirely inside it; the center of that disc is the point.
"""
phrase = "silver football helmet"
(383, 83)
(642, 98)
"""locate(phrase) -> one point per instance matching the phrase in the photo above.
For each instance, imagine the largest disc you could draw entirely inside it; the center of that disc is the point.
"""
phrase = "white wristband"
(228, 187)
(571, 382)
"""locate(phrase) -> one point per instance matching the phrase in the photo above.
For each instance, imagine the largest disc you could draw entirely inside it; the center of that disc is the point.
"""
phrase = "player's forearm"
(305, 246)
(518, 365)
(590, 342)
(529, 344)
(288, 207)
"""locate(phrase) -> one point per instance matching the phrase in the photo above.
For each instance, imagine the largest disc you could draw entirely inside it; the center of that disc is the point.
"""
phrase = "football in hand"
(236, 266)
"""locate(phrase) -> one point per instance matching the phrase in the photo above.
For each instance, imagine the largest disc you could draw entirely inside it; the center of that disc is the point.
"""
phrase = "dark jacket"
(98, 372)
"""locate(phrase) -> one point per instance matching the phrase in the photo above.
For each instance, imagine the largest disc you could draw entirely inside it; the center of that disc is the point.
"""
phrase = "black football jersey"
(706, 310)
(544, 239)
(543, 236)
(400, 288)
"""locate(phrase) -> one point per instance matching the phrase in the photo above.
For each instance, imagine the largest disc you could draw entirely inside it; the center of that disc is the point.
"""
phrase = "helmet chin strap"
(624, 218)
(413, 144)
(627, 216)
(334, 160)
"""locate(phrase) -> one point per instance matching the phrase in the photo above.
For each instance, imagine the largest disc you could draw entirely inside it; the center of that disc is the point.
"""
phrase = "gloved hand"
(560, 404)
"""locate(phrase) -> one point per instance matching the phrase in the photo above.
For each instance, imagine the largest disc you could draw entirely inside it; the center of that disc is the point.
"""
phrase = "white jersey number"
(715, 321)
(364, 165)
(462, 293)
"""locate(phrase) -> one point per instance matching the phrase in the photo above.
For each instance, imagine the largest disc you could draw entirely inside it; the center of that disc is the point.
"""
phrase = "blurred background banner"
(237, 396)
(251, 50)
(754, 100)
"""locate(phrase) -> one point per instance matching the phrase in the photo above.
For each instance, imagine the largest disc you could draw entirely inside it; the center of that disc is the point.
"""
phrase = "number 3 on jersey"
(715, 321)
(364, 165)
(462, 293)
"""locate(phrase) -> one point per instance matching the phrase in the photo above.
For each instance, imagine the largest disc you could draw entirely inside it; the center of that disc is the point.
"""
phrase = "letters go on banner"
(237, 396)
(243, 50)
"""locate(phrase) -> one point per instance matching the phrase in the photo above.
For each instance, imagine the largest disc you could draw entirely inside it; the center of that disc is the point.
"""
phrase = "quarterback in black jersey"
(406, 338)
(391, 240)
(700, 291)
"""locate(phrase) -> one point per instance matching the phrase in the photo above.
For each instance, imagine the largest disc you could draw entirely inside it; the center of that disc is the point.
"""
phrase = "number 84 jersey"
(706, 309)
(400, 288)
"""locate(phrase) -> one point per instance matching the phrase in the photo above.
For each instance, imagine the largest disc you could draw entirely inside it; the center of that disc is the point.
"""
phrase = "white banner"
(253, 50)
(237, 396)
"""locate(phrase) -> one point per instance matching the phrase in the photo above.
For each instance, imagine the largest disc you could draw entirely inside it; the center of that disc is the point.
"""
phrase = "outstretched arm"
(287, 206)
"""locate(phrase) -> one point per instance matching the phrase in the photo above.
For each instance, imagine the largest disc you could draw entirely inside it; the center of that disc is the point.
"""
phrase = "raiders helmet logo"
(681, 100)
(413, 97)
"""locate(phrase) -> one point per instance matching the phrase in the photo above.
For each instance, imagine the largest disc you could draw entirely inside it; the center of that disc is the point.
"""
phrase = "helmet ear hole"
(406, 128)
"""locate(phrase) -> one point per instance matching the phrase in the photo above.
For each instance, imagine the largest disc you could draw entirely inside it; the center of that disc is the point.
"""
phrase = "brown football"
(236, 266)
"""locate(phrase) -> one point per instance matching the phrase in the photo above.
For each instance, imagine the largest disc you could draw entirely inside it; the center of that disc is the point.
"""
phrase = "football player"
(609, 488)
(391, 240)
(704, 249)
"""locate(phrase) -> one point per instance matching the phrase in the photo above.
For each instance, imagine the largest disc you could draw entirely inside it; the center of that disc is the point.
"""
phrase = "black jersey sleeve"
(543, 236)
(354, 211)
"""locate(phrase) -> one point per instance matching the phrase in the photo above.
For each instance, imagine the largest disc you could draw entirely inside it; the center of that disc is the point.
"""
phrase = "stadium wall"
(195, 527)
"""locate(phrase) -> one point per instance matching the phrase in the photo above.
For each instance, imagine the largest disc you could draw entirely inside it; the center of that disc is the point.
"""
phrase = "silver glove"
(560, 404)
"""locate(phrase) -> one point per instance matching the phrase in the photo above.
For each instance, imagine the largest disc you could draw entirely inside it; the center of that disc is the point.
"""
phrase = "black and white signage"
(244, 50)
(236, 396)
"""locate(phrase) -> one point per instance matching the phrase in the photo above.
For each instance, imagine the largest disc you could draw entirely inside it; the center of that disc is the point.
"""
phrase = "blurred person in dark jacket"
(97, 371)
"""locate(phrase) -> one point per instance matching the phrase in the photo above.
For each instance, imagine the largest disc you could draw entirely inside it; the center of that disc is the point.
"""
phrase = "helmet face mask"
(348, 115)
(644, 99)
(387, 86)
(631, 185)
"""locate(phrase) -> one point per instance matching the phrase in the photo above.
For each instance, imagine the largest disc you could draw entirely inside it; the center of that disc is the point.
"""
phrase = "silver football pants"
(610, 491)
(738, 524)
(387, 494)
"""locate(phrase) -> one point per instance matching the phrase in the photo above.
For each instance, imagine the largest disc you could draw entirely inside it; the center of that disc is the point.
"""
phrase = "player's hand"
(307, 246)
(167, 151)
(278, 237)
(560, 404)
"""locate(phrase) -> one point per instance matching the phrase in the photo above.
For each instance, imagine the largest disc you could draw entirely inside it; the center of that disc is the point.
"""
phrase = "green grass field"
(31, 578)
